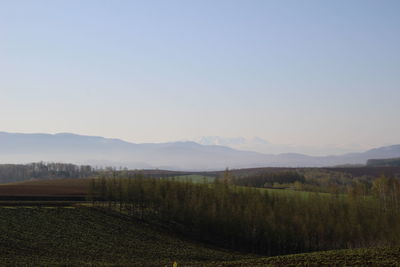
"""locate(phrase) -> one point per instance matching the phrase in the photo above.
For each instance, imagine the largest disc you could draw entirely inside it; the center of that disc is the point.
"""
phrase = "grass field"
(194, 178)
(279, 191)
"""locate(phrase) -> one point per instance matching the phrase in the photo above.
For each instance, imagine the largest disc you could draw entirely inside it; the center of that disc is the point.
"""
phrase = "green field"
(194, 178)
(295, 192)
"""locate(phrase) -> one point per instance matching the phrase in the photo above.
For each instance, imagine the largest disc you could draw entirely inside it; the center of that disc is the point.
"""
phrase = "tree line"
(393, 162)
(310, 180)
(42, 170)
(255, 220)
(268, 179)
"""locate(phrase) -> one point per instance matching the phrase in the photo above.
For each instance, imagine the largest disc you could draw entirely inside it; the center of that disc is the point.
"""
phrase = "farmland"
(41, 188)
(81, 236)
(345, 257)
(77, 188)
(52, 223)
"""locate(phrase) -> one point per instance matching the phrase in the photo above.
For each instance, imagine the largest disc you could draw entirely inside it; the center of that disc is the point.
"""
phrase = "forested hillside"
(395, 162)
(259, 221)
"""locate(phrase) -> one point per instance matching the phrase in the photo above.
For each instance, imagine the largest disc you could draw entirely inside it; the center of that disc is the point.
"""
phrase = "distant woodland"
(395, 162)
(41, 170)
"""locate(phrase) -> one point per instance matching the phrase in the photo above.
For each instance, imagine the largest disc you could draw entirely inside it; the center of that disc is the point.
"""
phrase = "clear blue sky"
(292, 72)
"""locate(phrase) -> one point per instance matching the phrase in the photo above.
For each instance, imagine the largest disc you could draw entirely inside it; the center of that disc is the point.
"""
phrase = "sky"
(305, 73)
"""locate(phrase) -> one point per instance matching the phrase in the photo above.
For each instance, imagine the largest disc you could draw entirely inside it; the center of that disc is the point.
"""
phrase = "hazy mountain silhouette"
(99, 151)
(261, 145)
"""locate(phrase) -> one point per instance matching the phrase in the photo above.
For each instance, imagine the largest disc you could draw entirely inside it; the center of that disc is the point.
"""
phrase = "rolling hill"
(79, 236)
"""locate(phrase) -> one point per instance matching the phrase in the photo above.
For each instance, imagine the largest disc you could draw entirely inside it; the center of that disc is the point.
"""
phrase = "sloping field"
(83, 236)
(79, 236)
(345, 257)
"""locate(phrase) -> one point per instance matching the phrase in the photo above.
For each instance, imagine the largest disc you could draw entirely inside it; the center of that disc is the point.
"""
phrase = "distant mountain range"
(261, 145)
(395, 162)
(99, 151)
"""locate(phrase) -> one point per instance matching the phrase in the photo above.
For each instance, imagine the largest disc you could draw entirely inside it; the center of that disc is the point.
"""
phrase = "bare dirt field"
(57, 189)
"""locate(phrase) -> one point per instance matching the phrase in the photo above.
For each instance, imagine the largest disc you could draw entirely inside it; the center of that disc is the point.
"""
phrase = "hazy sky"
(292, 72)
